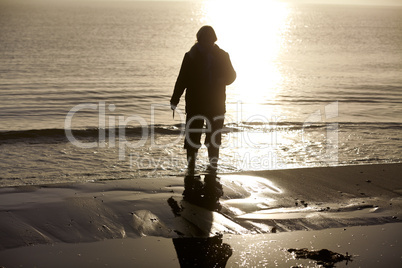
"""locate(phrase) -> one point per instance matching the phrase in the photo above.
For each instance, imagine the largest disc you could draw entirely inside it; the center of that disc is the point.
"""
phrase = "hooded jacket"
(204, 75)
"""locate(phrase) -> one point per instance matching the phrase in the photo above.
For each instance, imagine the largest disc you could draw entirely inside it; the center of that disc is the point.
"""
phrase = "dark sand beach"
(249, 219)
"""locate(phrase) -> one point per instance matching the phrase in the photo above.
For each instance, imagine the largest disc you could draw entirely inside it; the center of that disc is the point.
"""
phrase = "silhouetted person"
(204, 74)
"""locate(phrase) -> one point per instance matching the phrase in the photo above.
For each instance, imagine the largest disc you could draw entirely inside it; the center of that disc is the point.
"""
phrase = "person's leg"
(213, 155)
(213, 140)
(194, 125)
(191, 158)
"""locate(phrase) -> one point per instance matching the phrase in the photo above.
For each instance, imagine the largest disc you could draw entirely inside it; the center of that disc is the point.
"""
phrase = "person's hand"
(173, 107)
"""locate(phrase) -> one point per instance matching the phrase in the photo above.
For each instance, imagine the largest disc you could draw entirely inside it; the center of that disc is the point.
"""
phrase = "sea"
(85, 87)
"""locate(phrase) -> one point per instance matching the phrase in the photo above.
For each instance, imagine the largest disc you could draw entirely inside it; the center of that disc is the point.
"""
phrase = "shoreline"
(260, 203)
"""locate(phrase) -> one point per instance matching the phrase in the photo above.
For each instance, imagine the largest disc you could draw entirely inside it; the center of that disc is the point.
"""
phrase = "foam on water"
(47, 156)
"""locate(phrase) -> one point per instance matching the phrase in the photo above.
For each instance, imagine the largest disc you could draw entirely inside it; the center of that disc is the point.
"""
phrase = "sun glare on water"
(253, 33)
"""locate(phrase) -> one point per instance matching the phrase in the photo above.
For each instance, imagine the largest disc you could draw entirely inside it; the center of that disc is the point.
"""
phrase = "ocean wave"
(59, 135)
(54, 135)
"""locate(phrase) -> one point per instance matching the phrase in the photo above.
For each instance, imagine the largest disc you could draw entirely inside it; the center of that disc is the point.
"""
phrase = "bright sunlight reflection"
(252, 32)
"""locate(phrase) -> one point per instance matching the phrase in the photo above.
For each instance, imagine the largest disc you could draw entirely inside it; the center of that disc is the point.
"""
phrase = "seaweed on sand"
(323, 257)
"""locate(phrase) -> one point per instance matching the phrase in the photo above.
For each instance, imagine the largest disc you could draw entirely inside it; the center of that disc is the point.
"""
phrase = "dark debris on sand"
(324, 257)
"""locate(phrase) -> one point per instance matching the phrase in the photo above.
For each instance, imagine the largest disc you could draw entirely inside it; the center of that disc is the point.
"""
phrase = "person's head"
(206, 36)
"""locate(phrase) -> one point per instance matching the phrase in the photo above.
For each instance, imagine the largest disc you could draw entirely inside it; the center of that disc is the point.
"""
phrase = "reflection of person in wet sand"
(202, 252)
(204, 74)
(200, 249)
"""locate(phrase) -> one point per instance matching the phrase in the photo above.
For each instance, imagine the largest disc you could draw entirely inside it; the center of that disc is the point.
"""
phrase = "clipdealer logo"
(325, 116)
(112, 134)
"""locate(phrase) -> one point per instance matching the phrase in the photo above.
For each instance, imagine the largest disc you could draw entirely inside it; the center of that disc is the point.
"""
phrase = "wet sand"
(370, 246)
(258, 216)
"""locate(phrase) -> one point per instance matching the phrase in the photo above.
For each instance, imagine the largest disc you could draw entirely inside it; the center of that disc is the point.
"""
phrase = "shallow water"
(40, 157)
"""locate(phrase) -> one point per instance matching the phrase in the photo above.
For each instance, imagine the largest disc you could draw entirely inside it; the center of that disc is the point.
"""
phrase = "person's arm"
(181, 82)
(230, 73)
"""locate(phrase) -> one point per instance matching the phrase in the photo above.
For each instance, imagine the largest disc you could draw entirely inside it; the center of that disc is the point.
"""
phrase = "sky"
(310, 1)
(354, 2)
(357, 2)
